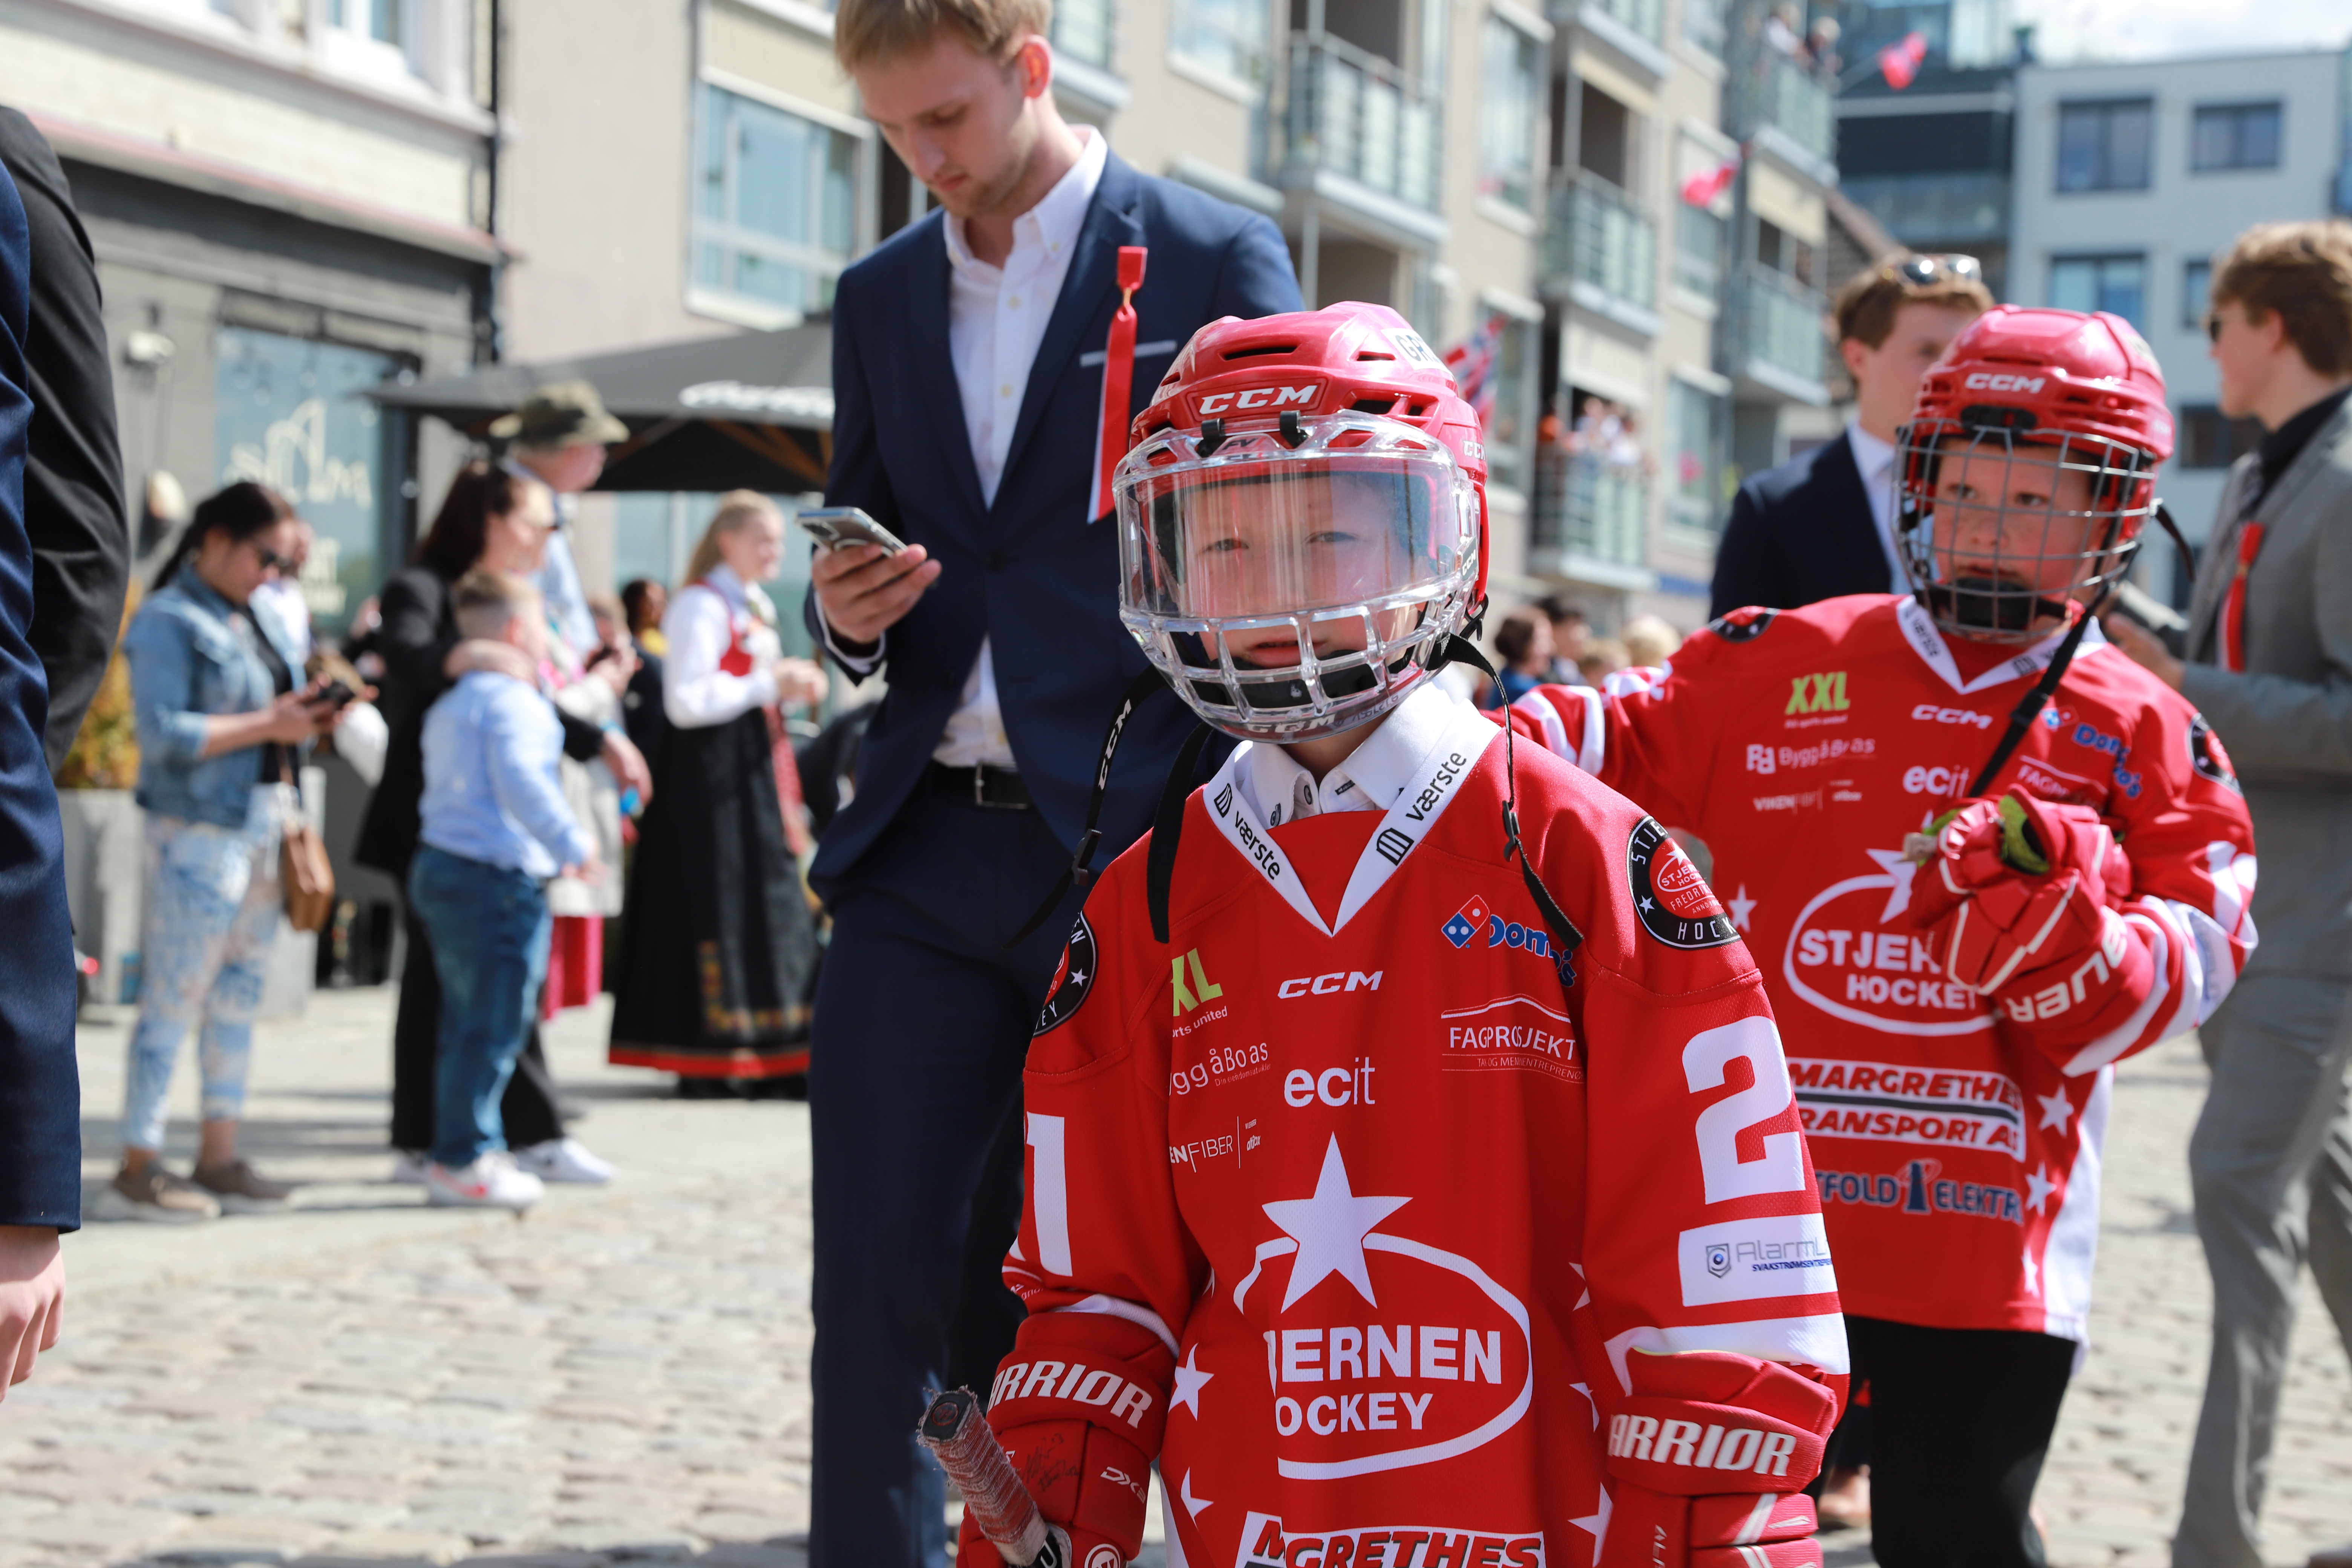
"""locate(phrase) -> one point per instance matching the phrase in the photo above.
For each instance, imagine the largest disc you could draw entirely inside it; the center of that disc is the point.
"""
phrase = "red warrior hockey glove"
(1081, 1431)
(2020, 896)
(1709, 1456)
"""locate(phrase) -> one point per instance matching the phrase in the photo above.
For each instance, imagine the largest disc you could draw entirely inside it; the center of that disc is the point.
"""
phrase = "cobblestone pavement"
(622, 1375)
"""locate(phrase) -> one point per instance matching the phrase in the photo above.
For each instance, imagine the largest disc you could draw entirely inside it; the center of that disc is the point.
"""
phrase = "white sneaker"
(408, 1167)
(565, 1160)
(491, 1182)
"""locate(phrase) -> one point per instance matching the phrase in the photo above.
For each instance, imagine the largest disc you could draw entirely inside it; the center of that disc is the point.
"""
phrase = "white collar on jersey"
(1919, 631)
(1372, 777)
(1454, 737)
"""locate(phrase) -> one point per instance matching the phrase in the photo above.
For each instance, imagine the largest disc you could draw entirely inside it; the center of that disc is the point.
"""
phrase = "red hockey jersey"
(1378, 1169)
(1958, 1165)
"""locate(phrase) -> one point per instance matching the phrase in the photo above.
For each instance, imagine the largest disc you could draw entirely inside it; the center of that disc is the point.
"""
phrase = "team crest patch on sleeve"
(1071, 981)
(1671, 898)
(1742, 626)
(2205, 755)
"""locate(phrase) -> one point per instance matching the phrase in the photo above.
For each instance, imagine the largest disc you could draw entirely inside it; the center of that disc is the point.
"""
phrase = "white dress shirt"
(700, 626)
(1875, 458)
(996, 321)
(1372, 778)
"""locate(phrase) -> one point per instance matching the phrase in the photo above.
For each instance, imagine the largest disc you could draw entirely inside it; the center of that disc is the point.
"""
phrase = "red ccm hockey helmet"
(2028, 470)
(1302, 520)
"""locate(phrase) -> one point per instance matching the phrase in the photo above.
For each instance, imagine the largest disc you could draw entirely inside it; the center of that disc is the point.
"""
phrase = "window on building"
(2196, 292)
(1510, 418)
(2235, 136)
(1698, 250)
(2105, 147)
(1228, 38)
(775, 215)
(2117, 283)
(1694, 443)
(1082, 30)
(1509, 112)
(385, 21)
(2211, 439)
(1702, 24)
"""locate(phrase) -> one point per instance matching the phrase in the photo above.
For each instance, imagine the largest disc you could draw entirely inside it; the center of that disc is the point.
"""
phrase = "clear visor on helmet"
(1289, 580)
(1999, 530)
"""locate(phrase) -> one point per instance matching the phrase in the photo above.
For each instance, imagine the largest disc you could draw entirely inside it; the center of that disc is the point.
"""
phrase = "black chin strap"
(1565, 938)
(2029, 707)
(1080, 872)
(1167, 829)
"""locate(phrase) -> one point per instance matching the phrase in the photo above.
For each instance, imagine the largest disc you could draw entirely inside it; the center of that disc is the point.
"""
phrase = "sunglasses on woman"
(1920, 271)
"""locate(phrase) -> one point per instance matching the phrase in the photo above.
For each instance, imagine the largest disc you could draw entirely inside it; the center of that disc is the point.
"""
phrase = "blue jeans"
(489, 927)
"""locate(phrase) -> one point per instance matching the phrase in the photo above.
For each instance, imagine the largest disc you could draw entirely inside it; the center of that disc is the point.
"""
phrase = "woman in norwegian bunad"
(719, 952)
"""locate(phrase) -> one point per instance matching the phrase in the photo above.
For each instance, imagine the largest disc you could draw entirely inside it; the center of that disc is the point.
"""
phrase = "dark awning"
(749, 412)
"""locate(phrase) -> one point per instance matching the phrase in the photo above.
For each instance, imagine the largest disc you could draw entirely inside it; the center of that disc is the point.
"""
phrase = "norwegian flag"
(1899, 62)
(1472, 362)
(1702, 188)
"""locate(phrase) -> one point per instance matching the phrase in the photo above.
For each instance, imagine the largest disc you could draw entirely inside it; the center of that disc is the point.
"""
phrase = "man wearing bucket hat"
(558, 438)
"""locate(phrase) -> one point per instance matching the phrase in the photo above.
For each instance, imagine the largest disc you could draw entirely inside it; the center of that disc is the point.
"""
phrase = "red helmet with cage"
(2028, 470)
(1302, 520)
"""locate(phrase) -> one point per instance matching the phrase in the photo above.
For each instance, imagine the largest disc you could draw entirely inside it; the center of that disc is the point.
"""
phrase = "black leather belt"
(1000, 788)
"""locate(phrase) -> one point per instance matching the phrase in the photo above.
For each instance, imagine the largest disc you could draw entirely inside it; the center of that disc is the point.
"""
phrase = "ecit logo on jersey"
(1463, 926)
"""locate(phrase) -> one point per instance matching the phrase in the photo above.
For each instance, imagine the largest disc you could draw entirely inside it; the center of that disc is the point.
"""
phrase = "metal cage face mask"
(1997, 533)
(1295, 581)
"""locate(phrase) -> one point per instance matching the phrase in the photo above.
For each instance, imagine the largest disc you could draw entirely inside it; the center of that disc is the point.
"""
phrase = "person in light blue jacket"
(222, 717)
(493, 827)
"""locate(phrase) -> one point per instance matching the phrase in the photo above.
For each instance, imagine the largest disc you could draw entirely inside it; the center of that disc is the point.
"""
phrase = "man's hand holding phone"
(865, 580)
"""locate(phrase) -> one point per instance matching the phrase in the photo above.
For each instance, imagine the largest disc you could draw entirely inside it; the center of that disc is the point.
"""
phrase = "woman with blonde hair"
(720, 950)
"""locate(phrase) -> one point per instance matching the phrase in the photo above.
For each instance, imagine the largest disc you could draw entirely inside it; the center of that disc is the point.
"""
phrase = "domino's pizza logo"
(1467, 922)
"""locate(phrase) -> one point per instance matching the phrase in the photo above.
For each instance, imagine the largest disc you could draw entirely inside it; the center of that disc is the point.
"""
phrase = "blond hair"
(1650, 639)
(1866, 307)
(2301, 273)
(736, 508)
(876, 32)
(488, 601)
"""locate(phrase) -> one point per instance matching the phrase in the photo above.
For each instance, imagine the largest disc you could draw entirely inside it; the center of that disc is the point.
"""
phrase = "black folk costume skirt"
(718, 953)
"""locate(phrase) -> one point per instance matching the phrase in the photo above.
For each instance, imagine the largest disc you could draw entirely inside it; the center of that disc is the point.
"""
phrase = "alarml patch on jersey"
(1742, 626)
(1672, 900)
(1071, 981)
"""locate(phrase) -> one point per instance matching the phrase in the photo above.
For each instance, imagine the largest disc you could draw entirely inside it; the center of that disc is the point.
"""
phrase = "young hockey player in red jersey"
(1952, 1013)
(1402, 1226)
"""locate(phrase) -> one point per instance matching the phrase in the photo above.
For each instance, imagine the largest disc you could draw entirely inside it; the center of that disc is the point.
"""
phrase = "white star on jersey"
(2056, 1109)
(1740, 906)
(1194, 1504)
(1329, 1228)
(1596, 1523)
(2032, 1273)
(1189, 1381)
(1900, 869)
(2038, 1188)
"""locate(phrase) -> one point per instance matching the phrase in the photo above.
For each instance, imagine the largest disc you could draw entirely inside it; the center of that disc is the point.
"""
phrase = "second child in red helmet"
(1411, 1205)
(1969, 904)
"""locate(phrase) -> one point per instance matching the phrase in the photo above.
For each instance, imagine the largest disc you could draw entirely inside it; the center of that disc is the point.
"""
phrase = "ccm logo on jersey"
(1324, 985)
(1073, 1380)
(1218, 403)
(1927, 712)
(1996, 382)
(1709, 1448)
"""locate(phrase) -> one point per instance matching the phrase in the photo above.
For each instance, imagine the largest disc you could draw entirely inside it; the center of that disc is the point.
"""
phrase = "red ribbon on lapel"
(2233, 608)
(1119, 379)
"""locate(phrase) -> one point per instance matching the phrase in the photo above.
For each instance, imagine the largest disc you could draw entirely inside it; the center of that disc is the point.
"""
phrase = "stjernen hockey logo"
(1741, 625)
(2205, 755)
(1672, 900)
(1071, 981)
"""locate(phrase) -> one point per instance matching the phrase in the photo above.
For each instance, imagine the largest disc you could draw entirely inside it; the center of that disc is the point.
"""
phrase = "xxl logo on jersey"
(1671, 898)
(1201, 991)
(1890, 1102)
(1823, 693)
(1387, 1352)
(1847, 955)
(1072, 982)
(1264, 1545)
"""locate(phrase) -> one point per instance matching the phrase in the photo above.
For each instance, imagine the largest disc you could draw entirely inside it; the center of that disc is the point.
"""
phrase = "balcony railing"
(1780, 327)
(1596, 234)
(1786, 96)
(1587, 509)
(1647, 17)
(1356, 114)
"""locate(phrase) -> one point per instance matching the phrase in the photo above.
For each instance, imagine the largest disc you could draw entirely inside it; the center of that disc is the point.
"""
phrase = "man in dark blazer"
(40, 1092)
(1822, 524)
(74, 512)
(968, 380)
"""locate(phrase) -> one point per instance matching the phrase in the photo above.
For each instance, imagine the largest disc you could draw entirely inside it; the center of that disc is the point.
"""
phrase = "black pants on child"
(1959, 1424)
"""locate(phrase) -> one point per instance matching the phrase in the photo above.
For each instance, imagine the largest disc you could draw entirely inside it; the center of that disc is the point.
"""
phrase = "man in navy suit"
(968, 375)
(41, 1091)
(1821, 525)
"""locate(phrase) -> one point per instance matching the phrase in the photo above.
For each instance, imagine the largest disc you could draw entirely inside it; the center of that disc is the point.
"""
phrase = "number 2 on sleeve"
(1782, 1167)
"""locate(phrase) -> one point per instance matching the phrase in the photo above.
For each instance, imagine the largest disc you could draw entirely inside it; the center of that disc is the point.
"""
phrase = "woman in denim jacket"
(223, 714)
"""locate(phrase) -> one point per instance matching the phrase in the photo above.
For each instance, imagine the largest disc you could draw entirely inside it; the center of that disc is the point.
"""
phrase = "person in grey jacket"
(2269, 667)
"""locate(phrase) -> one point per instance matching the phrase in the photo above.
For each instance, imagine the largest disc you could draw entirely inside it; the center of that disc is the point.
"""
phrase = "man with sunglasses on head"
(1969, 904)
(1823, 523)
(2270, 664)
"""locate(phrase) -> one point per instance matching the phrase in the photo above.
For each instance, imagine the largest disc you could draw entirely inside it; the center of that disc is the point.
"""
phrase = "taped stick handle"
(958, 1434)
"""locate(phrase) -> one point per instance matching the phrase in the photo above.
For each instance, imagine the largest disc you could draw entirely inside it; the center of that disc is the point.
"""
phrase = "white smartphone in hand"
(838, 527)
